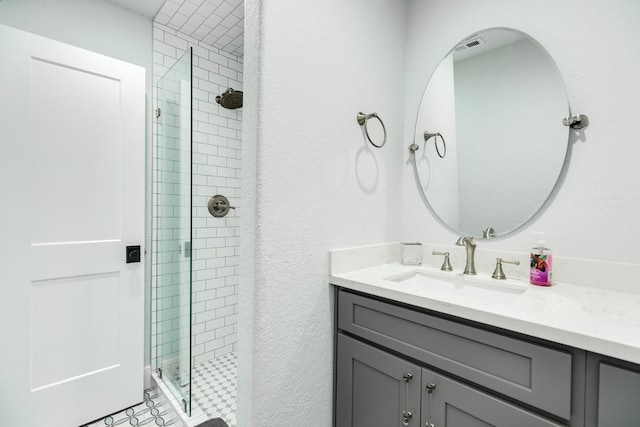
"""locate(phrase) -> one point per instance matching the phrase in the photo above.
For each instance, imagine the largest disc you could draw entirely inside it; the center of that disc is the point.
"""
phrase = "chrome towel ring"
(362, 121)
(435, 136)
(414, 147)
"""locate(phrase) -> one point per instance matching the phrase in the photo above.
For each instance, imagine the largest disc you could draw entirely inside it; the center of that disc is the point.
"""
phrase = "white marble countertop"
(597, 320)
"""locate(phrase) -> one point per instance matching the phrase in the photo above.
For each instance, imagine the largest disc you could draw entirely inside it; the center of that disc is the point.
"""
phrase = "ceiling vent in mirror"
(468, 44)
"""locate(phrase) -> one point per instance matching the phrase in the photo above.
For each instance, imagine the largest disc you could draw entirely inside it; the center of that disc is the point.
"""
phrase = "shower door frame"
(179, 384)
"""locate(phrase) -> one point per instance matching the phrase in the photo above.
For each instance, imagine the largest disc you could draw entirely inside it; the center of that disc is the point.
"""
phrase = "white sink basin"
(460, 285)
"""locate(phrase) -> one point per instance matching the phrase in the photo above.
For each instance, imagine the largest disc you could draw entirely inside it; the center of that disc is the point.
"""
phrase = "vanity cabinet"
(402, 366)
(613, 392)
(377, 388)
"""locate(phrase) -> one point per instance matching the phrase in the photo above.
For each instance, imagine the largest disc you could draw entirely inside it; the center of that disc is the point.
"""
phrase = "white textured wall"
(316, 65)
(593, 212)
(95, 25)
(317, 186)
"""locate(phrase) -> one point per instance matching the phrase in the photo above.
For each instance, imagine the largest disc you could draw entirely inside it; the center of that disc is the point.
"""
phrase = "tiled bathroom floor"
(214, 387)
(155, 410)
(214, 393)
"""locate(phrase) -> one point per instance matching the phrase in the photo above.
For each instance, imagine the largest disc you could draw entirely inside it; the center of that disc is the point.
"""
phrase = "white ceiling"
(144, 7)
(218, 23)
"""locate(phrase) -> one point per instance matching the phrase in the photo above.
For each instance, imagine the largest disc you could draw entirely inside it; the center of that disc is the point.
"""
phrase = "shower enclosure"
(173, 229)
(196, 181)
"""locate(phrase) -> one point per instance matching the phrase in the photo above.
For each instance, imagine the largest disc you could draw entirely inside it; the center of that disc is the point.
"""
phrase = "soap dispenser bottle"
(541, 263)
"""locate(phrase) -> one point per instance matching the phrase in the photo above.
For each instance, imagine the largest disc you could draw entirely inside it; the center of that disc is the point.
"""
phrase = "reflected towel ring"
(435, 136)
(362, 121)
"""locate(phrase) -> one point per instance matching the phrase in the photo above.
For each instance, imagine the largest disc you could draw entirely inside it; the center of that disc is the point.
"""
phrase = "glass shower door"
(172, 230)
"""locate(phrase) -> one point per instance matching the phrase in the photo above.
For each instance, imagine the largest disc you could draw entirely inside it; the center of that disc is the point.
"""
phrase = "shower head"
(230, 99)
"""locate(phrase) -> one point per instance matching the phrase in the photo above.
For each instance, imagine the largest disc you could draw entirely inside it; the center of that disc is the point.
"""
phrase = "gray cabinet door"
(613, 393)
(449, 403)
(371, 389)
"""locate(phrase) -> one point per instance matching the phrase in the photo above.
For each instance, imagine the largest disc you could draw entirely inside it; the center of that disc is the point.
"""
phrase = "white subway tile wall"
(217, 144)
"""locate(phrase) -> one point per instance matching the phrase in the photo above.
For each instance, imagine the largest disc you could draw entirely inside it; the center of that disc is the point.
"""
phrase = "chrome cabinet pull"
(406, 414)
(430, 388)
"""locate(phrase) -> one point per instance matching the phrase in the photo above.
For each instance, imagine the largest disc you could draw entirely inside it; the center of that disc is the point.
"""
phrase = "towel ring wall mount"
(362, 121)
(577, 121)
(428, 135)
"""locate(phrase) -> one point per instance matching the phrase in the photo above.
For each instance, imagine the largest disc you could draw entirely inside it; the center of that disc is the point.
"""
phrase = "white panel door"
(72, 129)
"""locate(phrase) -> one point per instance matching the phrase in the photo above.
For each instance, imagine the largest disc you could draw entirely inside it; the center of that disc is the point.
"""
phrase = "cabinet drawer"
(533, 374)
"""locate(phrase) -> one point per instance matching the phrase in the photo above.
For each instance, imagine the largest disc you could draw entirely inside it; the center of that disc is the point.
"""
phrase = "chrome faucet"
(467, 242)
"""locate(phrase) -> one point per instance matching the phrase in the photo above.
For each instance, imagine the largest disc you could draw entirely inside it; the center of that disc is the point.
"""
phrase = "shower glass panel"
(172, 228)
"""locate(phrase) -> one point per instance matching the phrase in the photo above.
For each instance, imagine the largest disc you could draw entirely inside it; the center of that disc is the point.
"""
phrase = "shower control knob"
(219, 206)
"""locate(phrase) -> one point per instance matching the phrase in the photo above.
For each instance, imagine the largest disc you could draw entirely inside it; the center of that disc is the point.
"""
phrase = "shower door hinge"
(160, 373)
(158, 112)
(187, 249)
(184, 405)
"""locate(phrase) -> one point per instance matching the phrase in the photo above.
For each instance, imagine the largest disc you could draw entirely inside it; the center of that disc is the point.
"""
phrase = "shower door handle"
(219, 206)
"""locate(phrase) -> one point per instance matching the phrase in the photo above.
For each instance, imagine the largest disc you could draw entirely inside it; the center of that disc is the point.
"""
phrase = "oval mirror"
(492, 112)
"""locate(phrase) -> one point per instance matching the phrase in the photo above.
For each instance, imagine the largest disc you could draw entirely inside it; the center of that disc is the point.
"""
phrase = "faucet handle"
(498, 273)
(446, 265)
(488, 233)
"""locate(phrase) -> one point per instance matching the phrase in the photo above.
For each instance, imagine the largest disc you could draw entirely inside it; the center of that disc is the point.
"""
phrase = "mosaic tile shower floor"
(155, 410)
(214, 386)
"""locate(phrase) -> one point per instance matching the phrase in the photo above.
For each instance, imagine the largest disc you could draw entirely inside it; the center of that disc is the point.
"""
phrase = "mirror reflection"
(497, 100)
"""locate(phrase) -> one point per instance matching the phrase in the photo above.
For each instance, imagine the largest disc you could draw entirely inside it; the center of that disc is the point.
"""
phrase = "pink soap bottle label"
(540, 269)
